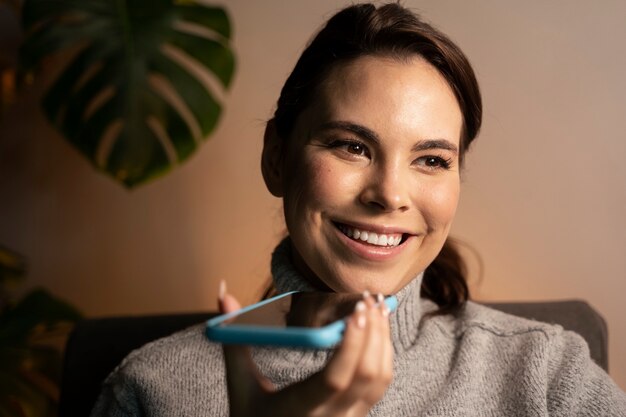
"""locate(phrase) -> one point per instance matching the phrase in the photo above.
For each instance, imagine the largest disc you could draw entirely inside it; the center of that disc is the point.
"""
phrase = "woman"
(365, 148)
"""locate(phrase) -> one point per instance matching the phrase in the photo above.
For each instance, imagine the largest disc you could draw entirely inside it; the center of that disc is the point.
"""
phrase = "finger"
(226, 302)
(360, 409)
(340, 370)
(238, 358)
(376, 391)
(318, 392)
(388, 347)
(244, 381)
(386, 358)
(366, 384)
(381, 355)
(348, 390)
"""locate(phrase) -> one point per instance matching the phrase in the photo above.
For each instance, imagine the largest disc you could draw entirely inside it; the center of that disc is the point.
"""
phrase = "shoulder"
(476, 316)
(166, 368)
(476, 319)
(534, 354)
(520, 335)
(506, 343)
(184, 352)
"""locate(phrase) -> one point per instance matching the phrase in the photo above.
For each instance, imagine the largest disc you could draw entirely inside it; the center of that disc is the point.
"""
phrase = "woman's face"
(370, 177)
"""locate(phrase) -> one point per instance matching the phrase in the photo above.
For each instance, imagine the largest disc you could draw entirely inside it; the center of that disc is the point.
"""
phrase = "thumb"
(227, 303)
(244, 381)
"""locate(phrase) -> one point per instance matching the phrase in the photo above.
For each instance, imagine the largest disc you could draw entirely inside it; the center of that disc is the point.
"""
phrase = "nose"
(387, 188)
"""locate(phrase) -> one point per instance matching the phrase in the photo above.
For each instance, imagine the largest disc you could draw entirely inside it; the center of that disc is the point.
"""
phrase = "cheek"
(439, 204)
(318, 181)
(318, 184)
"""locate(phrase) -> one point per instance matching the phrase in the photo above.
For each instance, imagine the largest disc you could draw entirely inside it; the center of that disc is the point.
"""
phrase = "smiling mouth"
(372, 238)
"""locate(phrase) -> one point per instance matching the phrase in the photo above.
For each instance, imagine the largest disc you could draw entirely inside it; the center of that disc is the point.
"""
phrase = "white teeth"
(371, 237)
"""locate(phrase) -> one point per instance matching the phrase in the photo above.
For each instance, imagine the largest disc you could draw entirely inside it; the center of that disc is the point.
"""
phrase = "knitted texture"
(480, 362)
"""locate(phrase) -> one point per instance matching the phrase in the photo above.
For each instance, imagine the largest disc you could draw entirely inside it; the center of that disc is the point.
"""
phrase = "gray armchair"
(96, 346)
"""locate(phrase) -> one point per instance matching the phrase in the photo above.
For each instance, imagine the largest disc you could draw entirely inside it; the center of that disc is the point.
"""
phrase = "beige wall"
(543, 198)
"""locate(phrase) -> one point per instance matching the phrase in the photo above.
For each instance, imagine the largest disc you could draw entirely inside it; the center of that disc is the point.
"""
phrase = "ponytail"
(445, 279)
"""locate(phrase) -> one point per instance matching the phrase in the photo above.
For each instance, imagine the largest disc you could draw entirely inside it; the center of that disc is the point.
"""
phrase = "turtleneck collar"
(405, 321)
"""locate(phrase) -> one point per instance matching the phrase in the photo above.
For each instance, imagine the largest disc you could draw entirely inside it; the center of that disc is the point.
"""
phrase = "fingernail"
(359, 308)
(380, 298)
(366, 294)
(222, 290)
(385, 310)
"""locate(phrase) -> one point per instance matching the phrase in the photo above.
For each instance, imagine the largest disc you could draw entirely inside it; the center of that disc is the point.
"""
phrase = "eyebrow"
(364, 132)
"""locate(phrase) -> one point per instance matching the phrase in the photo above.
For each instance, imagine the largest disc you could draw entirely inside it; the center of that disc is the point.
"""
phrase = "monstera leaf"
(139, 92)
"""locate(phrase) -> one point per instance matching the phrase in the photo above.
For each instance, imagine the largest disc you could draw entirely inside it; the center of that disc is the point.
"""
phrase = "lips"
(371, 237)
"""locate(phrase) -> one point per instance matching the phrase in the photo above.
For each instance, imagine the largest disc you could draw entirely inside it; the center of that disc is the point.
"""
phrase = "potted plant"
(32, 332)
(137, 95)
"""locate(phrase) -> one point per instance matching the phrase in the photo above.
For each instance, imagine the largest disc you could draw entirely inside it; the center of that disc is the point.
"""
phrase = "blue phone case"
(304, 337)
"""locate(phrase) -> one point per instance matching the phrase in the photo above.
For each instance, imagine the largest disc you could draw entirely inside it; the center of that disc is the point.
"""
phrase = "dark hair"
(390, 31)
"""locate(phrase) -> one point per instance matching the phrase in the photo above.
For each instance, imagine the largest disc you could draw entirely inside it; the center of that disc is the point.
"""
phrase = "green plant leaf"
(36, 308)
(127, 98)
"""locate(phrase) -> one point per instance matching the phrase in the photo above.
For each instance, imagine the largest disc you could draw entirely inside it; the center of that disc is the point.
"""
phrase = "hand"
(355, 378)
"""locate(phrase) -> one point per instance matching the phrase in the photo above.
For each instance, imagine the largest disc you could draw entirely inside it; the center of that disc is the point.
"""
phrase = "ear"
(272, 160)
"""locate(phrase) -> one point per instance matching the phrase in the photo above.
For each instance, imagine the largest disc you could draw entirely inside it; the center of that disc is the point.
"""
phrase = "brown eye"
(350, 147)
(355, 148)
(434, 162)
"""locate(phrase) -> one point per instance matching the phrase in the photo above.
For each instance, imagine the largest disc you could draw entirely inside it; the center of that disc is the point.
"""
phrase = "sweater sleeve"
(577, 386)
(116, 400)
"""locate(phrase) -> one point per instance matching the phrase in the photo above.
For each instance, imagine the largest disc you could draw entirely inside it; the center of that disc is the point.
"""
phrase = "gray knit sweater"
(479, 363)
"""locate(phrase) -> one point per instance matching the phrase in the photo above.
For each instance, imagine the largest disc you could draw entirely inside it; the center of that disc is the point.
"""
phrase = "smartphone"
(313, 320)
